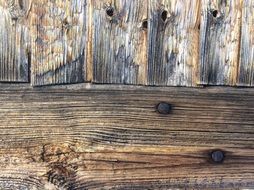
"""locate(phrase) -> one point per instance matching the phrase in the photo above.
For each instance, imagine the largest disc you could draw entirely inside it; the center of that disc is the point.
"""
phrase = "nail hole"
(65, 22)
(217, 156)
(145, 24)
(110, 11)
(164, 15)
(215, 13)
(164, 108)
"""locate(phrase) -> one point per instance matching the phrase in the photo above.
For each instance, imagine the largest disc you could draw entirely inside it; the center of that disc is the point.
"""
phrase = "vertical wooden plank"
(246, 68)
(220, 40)
(14, 57)
(58, 35)
(119, 41)
(173, 42)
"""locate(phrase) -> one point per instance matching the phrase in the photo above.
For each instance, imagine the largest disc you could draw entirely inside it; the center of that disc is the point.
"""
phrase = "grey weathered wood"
(173, 43)
(58, 41)
(102, 137)
(14, 54)
(246, 68)
(219, 41)
(119, 42)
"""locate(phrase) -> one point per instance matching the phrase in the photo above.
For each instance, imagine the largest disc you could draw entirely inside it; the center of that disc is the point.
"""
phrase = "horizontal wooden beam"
(100, 137)
(148, 42)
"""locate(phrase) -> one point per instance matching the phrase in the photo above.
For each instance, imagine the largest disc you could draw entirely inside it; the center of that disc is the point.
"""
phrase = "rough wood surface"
(58, 41)
(104, 137)
(14, 54)
(119, 41)
(246, 68)
(220, 41)
(173, 42)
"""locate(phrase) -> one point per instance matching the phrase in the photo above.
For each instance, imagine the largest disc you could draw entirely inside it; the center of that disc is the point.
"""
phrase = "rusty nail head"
(164, 108)
(217, 156)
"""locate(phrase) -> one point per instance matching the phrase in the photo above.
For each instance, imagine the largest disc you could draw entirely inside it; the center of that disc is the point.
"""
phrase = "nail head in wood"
(217, 156)
(164, 108)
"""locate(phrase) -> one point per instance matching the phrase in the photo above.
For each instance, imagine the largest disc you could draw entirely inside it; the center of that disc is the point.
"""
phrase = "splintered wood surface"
(112, 137)
(139, 42)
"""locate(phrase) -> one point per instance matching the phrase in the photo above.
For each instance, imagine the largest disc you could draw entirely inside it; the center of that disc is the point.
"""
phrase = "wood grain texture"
(119, 41)
(246, 68)
(14, 55)
(111, 137)
(58, 41)
(174, 42)
(220, 41)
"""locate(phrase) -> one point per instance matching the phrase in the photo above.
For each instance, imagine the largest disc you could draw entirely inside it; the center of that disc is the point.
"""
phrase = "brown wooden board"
(246, 68)
(112, 137)
(58, 41)
(14, 53)
(220, 41)
(119, 41)
(174, 42)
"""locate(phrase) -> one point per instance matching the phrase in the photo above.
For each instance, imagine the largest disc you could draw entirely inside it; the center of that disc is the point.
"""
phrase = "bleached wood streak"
(220, 40)
(119, 41)
(246, 68)
(14, 55)
(173, 42)
(58, 35)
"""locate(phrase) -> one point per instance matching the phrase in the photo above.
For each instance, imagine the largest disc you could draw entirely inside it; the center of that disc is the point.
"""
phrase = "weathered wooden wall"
(83, 137)
(151, 42)
(117, 137)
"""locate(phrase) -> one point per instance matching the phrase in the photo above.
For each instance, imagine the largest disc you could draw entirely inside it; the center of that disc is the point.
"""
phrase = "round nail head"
(164, 108)
(217, 156)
